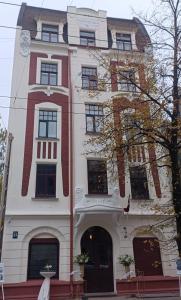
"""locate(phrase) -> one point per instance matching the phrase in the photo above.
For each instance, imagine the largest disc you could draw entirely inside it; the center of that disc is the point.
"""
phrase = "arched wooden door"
(97, 242)
(147, 256)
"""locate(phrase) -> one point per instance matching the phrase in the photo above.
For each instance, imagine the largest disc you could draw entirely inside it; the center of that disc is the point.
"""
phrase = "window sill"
(146, 199)
(89, 89)
(44, 199)
(92, 133)
(46, 139)
(98, 195)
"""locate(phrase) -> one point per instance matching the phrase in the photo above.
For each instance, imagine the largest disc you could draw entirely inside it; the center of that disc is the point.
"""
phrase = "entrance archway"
(97, 242)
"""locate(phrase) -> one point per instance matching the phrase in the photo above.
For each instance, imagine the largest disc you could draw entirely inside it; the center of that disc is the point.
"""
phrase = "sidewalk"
(172, 296)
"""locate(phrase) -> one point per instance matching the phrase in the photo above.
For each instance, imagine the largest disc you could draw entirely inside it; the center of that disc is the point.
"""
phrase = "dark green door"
(97, 242)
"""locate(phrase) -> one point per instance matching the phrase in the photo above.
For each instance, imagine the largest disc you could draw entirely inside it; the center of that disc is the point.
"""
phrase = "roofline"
(133, 20)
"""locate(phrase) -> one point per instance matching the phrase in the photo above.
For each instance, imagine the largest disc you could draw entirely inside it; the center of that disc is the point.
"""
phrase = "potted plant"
(126, 260)
(47, 271)
(81, 259)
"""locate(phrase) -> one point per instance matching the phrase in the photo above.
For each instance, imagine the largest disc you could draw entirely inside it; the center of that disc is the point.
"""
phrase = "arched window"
(43, 252)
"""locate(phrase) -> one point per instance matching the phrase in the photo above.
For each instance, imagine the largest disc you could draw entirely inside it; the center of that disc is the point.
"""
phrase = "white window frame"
(49, 61)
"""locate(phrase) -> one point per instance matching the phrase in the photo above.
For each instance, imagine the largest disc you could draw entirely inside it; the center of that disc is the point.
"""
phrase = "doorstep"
(100, 295)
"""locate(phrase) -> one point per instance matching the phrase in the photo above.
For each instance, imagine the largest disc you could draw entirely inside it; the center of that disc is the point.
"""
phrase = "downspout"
(71, 175)
(4, 190)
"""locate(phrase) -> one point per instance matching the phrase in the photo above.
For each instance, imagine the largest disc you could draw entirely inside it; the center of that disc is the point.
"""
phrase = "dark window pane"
(139, 184)
(97, 177)
(87, 38)
(52, 129)
(89, 124)
(53, 79)
(46, 180)
(41, 254)
(45, 36)
(47, 124)
(126, 81)
(44, 78)
(89, 78)
(123, 41)
(42, 129)
(50, 33)
(49, 74)
(94, 120)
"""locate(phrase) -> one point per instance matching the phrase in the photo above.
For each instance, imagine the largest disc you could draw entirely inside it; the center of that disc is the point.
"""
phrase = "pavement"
(167, 296)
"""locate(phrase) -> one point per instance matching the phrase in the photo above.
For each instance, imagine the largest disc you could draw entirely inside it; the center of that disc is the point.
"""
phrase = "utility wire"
(96, 39)
(10, 3)
(85, 15)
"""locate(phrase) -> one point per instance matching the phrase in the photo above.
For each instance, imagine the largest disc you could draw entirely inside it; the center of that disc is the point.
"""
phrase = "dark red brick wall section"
(119, 105)
(154, 170)
(148, 284)
(33, 66)
(37, 98)
(29, 290)
(64, 60)
(61, 289)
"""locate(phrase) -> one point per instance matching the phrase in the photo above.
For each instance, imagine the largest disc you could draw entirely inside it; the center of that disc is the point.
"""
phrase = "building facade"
(61, 201)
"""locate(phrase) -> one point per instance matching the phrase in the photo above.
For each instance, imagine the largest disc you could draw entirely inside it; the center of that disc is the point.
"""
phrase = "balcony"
(97, 203)
(46, 148)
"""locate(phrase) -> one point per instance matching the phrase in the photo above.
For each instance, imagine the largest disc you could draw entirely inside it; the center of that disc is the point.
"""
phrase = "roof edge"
(21, 13)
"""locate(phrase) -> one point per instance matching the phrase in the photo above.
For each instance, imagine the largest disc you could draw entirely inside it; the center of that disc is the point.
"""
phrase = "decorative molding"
(97, 203)
(25, 41)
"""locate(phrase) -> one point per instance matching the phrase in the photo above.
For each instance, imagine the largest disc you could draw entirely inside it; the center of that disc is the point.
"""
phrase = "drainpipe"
(4, 189)
(71, 176)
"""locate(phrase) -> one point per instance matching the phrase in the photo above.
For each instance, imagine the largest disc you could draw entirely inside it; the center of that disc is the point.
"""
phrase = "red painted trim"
(129, 155)
(54, 150)
(148, 284)
(154, 170)
(37, 98)
(139, 153)
(33, 65)
(143, 153)
(71, 177)
(62, 290)
(114, 73)
(120, 154)
(114, 81)
(121, 104)
(134, 153)
(49, 150)
(44, 149)
(29, 290)
(64, 60)
(38, 149)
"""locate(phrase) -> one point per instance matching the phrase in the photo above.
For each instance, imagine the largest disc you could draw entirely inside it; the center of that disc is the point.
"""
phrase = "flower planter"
(81, 270)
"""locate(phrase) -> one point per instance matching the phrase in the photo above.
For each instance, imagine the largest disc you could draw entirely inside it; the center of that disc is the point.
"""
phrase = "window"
(94, 116)
(49, 74)
(97, 177)
(123, 41)
(45, 181)
(87, 38)
(50, 33)
(89, 78)
(139, 183)
(43, 252)
(47, 124)
(126, 81)
(133, 129)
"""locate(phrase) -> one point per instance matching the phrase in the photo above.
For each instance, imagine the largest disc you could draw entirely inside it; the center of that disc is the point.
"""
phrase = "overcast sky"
(8, 17)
